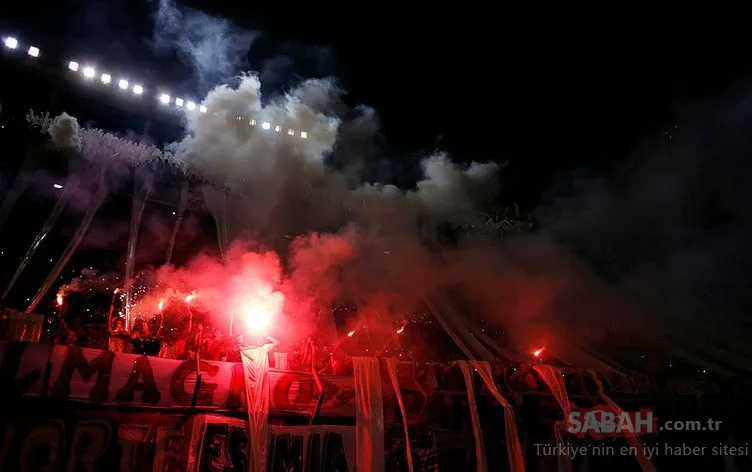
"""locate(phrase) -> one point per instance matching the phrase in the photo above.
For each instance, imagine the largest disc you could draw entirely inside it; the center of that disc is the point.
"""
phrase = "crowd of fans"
(184, 341)
(152, 338)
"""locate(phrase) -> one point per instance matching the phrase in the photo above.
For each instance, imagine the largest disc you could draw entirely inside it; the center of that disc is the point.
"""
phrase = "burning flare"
(538, 352)
(59, 299)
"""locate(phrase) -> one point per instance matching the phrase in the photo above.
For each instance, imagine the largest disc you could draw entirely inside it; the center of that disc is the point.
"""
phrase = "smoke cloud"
(213, 47)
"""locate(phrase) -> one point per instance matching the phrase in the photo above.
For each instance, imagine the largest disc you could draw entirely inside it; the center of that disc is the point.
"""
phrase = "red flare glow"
(351, 334)
(399, 331)
(259, 308)
(189, 298)
(59, 299)
(161, 305)
(116, 291)
(257, 319)
(538, 352)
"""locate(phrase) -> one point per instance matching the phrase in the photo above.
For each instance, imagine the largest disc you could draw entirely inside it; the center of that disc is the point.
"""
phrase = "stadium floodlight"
(11, 42)
(73, 65)
(164, 99)
(33, 51)
(266, 125)
(123, 84)
(303, 135)
(291, 132)
(202, 108)
(190, 105)
(179, 102)
(106, 78)
(89, 72)
(138, 90)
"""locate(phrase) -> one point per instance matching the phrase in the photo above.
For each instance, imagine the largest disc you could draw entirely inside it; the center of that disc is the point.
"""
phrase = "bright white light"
(11, 43)
(138, 90)
(179, 102)
(164, 98)
(123, 84)
(303, 134)
(89, 72)
(57, 185)
(33, 51)
(190, 106)
(253, 122)
(202, 108)
(291, 132)
(277, 128)
(266, 125)
(106, 78)
(73, 65)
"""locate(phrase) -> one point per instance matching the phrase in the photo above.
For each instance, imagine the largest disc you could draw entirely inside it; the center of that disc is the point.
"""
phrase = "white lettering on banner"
(118, 378)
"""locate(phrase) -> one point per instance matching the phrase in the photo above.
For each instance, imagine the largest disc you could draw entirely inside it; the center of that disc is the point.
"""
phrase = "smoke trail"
(213, 47)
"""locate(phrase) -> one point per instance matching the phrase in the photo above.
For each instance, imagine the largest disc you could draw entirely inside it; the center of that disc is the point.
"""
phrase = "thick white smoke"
(281, 182)
(65, 132)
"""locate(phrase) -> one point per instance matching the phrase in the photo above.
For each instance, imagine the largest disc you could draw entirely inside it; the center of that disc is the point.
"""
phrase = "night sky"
(549, 94)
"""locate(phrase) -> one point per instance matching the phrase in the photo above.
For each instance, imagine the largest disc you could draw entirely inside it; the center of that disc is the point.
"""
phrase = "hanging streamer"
(632, 439)
(75, 241)
(70, 188)
(555, 381)
(391, 367)
(19, 185)
(182, 205)
(143, 181)
(256, 365)
(217, 204)
(480, 449)
(459, 332)
(369, 415)
(514, 449)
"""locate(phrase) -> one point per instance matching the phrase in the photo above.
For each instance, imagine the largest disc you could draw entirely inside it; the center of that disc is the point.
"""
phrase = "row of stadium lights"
(90, 73)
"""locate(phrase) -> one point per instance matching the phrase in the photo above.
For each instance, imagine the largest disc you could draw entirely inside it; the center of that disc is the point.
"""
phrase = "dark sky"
(548, 92)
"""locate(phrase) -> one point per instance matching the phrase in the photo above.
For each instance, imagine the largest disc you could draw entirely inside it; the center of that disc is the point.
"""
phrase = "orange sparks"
(59, 299)
(538, 352)
(351, 334)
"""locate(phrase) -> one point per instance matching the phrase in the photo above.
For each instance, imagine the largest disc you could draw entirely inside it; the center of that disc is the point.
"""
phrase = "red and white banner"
(106, 377)
(256, 364)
